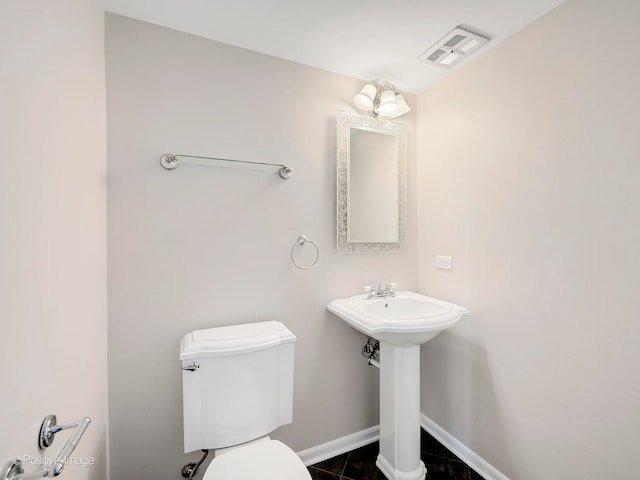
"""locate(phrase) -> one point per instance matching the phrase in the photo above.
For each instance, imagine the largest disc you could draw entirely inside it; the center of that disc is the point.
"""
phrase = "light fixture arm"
(381, 86)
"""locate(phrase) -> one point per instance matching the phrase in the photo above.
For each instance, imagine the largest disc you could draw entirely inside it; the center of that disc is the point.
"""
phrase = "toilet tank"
(243, 386)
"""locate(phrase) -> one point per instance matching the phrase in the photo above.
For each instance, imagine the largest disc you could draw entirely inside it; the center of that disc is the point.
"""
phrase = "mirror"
(372, 185)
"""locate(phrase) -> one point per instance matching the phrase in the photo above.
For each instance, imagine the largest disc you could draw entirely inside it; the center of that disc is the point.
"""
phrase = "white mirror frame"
(346, 121)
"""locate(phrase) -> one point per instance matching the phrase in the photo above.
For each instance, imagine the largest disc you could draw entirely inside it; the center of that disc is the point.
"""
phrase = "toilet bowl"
(267, 459)
(237, 386)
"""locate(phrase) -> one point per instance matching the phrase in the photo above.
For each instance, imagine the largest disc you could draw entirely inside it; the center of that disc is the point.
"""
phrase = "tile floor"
(360, 464)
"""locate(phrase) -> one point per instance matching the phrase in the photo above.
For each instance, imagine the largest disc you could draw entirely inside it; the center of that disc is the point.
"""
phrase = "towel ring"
(302, 240)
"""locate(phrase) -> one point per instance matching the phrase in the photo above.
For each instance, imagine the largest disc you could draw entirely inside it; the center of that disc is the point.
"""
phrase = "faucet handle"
(372, 291)
(389, 289)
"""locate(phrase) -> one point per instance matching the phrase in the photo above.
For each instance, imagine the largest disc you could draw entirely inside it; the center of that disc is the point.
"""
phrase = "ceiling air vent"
(453, 48)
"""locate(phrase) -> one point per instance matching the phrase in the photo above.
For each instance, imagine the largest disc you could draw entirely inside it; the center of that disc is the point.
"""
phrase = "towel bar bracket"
(49, 429)
(10, 470)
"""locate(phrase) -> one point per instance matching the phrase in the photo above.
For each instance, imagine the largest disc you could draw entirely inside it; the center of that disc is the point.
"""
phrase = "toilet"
(237, 387)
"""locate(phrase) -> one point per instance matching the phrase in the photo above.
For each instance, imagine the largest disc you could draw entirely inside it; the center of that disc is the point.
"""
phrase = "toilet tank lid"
(234, 339)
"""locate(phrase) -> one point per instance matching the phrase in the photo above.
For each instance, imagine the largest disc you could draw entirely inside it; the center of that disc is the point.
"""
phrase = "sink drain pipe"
(371, 351)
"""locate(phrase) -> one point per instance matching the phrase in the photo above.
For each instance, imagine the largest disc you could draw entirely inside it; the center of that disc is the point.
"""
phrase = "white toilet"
(237, 387)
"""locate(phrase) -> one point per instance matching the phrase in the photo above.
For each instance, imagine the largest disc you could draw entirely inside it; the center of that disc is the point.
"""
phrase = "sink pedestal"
(399, 457)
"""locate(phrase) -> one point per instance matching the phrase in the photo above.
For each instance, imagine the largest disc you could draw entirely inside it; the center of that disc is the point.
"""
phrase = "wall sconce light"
(381, 99)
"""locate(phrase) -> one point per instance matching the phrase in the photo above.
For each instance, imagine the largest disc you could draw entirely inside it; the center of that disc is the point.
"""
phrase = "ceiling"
(362, 39)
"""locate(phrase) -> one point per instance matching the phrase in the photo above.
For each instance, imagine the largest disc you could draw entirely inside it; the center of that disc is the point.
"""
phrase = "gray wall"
(528, 177)
(53, 215)
(204, 246)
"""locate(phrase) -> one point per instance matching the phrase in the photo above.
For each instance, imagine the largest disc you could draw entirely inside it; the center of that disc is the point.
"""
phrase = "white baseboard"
(339, 446)
(355, 440)
(468, 456)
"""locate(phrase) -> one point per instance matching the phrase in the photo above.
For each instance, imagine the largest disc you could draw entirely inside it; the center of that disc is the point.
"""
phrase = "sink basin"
(406, 319)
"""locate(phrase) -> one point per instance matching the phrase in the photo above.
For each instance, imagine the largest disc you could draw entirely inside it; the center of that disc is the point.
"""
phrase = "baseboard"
(468, 456)
(339, 446)
(359, 439)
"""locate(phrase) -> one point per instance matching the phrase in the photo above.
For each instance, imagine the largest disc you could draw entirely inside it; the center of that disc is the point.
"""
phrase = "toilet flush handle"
(192, 367)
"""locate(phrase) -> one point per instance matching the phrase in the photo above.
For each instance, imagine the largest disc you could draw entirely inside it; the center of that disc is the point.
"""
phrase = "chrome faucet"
(381, 292)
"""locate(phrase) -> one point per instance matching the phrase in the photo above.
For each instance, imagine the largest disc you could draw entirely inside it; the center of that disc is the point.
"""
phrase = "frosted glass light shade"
(364, 99)
(402, 106)
(388, 105)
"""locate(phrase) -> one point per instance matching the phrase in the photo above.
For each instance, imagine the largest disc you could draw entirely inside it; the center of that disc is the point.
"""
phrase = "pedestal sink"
(401, 324)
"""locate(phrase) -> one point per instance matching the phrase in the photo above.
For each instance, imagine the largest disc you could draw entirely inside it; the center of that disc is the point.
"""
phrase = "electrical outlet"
(444, 263)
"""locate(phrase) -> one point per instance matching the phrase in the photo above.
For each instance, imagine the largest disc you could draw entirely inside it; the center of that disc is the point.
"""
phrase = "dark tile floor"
(360, 464)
